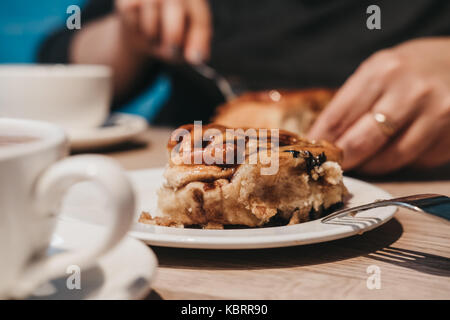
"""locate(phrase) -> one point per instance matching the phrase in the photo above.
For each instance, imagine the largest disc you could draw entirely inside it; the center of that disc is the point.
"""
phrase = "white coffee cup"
(73, 96)
(33, 179)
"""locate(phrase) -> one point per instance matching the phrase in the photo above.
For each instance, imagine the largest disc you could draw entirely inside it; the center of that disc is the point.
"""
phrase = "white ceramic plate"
(87, 203)
(111, 278)
(121, 127)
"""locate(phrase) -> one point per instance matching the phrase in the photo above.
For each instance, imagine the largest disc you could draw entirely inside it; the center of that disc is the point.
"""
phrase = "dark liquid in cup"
(6, 141)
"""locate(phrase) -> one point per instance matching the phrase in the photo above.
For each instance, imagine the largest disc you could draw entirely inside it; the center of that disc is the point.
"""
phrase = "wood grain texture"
(412, 251)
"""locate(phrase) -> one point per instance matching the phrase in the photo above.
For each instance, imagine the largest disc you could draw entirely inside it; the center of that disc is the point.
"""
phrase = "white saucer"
(87, 203)
(124, 273)
(121, 127)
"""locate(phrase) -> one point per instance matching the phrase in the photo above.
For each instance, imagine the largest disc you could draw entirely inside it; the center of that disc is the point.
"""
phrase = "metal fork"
(436, 204)
(221, 82)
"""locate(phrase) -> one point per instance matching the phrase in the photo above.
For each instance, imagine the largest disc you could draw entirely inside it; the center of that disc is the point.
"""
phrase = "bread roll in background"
(292, 110)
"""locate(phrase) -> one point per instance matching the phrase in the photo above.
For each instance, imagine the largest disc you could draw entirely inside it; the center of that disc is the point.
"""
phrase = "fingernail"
(311, 135)
(195, 57)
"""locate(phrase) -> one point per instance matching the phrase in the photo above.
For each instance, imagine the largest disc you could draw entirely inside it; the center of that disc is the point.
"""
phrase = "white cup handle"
(49, 191)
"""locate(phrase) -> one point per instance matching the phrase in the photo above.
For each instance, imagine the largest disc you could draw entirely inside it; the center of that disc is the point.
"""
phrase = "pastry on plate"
(300, 182)
(293, 110)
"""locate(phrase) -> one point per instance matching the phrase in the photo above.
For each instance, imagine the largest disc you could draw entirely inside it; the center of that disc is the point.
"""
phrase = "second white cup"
(72, 96)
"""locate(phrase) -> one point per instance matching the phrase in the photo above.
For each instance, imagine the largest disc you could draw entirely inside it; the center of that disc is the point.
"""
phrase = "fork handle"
(435, 204)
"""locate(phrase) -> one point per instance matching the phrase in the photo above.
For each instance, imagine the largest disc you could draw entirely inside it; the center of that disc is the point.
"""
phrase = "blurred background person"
(400, 71)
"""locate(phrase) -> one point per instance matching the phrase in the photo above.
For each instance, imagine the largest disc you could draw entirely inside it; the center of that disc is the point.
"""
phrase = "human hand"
(410, 85)
(167, 29)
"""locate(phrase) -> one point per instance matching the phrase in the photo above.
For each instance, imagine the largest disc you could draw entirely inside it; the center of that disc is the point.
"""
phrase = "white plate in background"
(119, 128)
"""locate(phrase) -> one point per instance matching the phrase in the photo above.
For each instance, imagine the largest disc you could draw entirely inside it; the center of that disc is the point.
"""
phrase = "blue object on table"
(439, 206)
(150, 102)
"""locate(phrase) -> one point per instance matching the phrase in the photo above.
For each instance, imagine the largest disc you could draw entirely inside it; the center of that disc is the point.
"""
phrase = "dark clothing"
(262, 44)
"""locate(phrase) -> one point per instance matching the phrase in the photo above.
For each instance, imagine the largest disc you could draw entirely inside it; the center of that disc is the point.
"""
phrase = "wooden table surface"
(412, 251)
